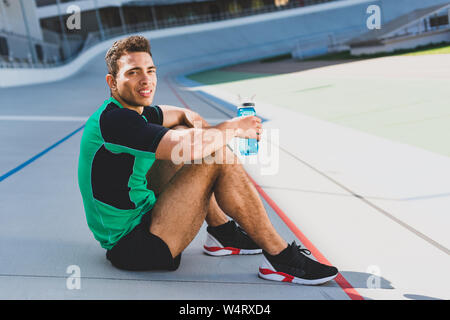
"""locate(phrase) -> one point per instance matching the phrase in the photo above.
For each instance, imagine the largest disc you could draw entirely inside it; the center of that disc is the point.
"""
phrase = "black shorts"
(141, 250)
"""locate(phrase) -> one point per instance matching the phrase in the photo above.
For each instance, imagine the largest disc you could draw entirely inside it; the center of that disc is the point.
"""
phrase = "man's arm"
(174, 116)
(196, 143)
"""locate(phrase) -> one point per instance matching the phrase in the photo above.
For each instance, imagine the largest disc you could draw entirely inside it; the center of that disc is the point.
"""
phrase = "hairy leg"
(238, 197)
(183, 204)
(181, 207)
(163, 170)
(159, 176)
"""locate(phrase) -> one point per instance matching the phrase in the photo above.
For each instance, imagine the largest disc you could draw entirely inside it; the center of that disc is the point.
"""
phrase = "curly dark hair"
(123, 46)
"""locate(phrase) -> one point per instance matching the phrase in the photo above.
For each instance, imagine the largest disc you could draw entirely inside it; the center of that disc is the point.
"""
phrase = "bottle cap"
(248, 104)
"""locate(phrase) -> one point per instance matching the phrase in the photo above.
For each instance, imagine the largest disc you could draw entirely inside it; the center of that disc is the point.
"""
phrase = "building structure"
(419, 28)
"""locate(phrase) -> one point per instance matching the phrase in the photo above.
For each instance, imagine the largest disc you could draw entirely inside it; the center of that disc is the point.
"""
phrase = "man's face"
(136, 79)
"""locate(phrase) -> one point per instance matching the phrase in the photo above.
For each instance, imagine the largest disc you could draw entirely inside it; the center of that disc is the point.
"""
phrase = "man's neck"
(138, 109)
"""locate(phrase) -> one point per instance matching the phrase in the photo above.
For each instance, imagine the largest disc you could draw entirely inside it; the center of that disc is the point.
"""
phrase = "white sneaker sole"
(267, 272)
(213, 247)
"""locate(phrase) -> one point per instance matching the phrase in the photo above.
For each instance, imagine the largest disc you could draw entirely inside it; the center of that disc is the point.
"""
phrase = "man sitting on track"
(149, 176)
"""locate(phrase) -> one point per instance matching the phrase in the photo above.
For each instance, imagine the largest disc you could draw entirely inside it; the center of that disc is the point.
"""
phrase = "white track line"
(42, 118)
(71, 119)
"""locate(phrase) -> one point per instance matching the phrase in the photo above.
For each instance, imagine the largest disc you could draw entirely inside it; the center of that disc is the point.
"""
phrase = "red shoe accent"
(214, 249)
(287, 277)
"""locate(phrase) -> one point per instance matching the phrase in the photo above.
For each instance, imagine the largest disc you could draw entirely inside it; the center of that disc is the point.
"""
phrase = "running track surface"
(43, 230)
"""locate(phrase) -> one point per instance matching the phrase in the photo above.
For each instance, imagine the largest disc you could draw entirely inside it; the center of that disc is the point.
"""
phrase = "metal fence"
(107, 33)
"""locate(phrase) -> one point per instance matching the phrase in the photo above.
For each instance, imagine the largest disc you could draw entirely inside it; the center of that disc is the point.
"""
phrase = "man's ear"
(111, 82)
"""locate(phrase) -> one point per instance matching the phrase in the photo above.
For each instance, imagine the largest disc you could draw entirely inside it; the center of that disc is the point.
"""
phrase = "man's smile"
(145, 92)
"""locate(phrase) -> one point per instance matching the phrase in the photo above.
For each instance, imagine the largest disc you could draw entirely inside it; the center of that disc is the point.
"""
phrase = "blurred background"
(45, 33)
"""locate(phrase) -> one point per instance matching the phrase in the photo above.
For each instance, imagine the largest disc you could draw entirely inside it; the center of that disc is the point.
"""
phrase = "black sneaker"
(293, 265)
(229, 239)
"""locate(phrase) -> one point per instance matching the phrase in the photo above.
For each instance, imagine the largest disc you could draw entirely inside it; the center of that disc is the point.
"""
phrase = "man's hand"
(247, 127)
(196, 143)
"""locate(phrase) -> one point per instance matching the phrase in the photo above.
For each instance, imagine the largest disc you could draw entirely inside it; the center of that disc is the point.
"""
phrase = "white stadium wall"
(215, 44)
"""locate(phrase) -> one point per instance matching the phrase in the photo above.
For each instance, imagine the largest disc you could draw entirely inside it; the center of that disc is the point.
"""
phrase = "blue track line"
(40, 154)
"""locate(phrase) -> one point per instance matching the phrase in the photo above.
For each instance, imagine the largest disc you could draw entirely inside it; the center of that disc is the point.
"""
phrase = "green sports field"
(439, 50)
(401, 98)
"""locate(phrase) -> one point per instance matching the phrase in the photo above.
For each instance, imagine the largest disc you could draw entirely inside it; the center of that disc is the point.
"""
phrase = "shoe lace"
(300, 259)
(303, 250)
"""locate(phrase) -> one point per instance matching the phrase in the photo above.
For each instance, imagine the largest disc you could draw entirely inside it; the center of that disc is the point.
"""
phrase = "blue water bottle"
(247, 146)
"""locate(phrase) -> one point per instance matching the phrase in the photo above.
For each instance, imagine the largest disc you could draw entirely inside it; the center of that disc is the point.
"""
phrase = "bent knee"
(179, 127)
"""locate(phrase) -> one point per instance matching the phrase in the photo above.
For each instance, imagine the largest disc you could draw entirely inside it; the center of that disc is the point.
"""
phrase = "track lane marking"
(340, 280)
(40, 154)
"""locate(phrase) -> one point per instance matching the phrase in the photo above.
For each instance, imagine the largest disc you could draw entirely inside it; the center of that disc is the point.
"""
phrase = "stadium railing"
(108, 33)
